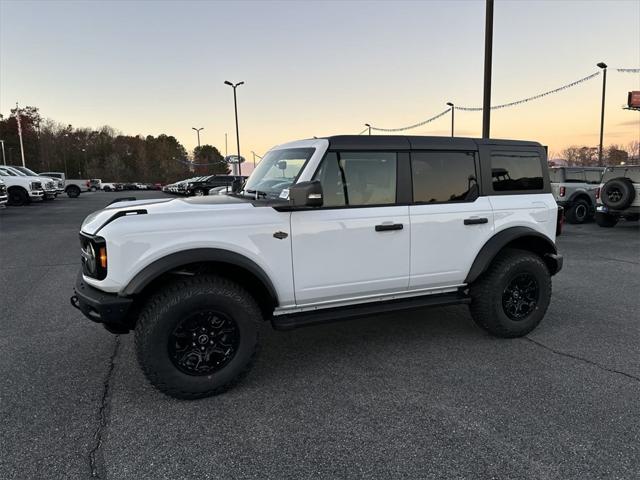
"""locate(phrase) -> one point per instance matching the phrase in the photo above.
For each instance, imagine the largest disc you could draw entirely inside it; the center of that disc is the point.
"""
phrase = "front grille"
(49, 186)
(3, 190)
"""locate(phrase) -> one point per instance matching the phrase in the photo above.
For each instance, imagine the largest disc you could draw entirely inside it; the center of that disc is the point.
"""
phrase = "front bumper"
(101, 307)
(36, 194)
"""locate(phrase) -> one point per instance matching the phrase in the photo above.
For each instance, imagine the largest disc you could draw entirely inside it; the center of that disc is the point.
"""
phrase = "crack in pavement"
(103, 413)
(619, 260)
(581, 359)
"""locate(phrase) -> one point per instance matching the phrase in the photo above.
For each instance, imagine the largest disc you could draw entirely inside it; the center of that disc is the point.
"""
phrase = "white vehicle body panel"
(137, 241)
(443, 248)
(537, 211)
(337, 253)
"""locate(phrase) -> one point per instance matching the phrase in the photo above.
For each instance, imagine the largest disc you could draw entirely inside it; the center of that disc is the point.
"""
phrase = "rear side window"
(443, 177)
(593, 176)
(516, 171)
(358, 178)
(575, 176)
(556, 175)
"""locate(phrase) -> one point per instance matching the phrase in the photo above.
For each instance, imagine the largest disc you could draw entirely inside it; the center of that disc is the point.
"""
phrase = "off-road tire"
(73, 191)
(487, 293)
(17, 197)
(165, 309)
(579, 212)
(605, 220)
(618, 193)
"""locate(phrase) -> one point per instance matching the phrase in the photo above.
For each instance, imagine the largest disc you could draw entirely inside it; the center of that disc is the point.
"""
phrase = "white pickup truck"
(72, 187)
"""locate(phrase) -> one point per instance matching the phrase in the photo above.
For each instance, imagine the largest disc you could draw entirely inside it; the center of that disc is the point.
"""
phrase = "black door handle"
(475, 221)
(389, 226)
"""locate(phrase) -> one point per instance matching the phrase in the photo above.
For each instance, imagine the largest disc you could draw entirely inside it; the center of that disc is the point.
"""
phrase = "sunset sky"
(319, 68)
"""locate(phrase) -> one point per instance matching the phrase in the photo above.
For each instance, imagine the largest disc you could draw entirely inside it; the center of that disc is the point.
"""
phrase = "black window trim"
(476, 166)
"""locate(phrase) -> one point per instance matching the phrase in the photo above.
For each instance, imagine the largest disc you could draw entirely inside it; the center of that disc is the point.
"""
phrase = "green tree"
(210, 159)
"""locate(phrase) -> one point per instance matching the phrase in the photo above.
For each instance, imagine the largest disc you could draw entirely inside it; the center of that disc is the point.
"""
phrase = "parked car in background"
(58, 184)
(109, 187)
(220, 190)
(574, 188)
(95, 184)
(48, 184)
(202, 185)
(3, 194)
(72, 187)
(618, 195)
(21, 190)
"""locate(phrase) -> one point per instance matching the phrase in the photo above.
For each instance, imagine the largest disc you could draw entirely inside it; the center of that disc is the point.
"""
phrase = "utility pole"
(235, 106)
(198, 132)
(226, 150)
(488, 50)
(20, 133)
(369, 127)
(4, 160)
(452, 115)
(603, 66)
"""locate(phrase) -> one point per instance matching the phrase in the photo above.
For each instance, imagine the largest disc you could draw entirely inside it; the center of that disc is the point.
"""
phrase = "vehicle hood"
(94, 222)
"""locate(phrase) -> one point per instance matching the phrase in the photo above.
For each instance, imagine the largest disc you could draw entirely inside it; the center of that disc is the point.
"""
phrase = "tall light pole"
(369, 127)
(603, 66)
(235, 106)
(20, 133)
(452, 115)
(488, 50)
(4, 160)
(198, 132)
(226, 150)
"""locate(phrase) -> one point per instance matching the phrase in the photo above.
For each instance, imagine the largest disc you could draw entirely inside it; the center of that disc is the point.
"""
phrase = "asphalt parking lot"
(421, 395)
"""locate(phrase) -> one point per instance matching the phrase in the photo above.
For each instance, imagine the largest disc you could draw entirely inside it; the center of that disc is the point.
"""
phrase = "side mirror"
(306, 194)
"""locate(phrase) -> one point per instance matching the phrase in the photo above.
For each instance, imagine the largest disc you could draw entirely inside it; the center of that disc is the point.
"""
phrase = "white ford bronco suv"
(324, 229)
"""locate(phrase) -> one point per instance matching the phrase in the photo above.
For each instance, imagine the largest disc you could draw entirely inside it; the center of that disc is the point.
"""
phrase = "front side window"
(276, 172)
(443, 177)
(516, 171)
(358, 178)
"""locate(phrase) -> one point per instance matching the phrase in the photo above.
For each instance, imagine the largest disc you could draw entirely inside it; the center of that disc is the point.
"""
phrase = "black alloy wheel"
(203, 343)
(520, 297)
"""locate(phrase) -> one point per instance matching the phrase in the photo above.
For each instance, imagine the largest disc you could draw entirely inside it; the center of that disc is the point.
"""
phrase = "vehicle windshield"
(26, 171)
(276, 172)
(7, 172)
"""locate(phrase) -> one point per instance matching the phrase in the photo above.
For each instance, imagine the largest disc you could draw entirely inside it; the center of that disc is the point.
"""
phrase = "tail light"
(559, 221)
(88, 183)
(598, 193)
(562, 191)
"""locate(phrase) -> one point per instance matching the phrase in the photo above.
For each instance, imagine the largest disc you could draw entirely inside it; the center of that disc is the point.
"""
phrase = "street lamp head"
(227, 82)
(450, 104)
(367, 125)
(602, 65)
(239, 83)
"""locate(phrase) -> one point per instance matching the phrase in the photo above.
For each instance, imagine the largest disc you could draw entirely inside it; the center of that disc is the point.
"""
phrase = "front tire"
(605, 220)
(17, 197)
(197, 337)
(511, 298)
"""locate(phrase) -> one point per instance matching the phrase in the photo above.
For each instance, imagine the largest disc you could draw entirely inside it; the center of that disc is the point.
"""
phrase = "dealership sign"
(234, 159)
(633, 100)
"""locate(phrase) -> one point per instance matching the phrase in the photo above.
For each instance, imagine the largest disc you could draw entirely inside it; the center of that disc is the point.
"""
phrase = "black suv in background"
(202, 185)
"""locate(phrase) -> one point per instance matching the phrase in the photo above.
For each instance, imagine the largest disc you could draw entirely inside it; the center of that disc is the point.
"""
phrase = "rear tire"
(197, 337)
(579, 212)
(511, 298)
(73, 191)
(605, 220)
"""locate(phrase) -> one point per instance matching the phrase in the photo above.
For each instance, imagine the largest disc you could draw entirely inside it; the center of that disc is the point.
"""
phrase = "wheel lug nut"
(201, 348)
(194, 344)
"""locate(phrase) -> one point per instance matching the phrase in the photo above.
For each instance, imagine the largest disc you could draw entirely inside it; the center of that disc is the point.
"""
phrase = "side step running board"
(326, 315)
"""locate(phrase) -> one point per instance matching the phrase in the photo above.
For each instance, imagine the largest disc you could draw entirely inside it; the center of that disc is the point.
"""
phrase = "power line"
(628, 70)
(416, 125)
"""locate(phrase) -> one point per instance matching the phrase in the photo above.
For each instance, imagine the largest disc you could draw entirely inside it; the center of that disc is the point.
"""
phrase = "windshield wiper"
(257, 193)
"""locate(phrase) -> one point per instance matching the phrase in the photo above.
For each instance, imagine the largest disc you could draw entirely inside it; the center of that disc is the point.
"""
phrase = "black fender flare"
(523, 237)
(581, 194)
(197, 255)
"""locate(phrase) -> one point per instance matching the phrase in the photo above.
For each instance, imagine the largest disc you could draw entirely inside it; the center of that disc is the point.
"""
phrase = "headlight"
(94, 256)
(36, 186)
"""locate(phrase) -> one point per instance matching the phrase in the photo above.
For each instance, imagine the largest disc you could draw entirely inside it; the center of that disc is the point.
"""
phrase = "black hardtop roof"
(407, 142)
(577, 167)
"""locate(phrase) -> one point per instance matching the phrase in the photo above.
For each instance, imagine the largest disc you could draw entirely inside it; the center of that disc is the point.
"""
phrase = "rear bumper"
(632, 210)
(101, 307)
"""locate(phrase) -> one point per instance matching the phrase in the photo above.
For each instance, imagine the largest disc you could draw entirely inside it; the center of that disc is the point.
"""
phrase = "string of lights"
(416, 125)
(535, 97)
(504, 105)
